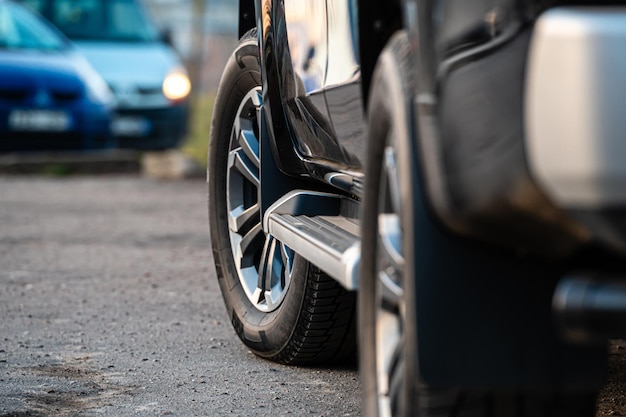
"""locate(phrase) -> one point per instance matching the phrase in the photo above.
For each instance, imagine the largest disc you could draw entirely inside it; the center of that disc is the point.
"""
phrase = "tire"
(283, 308)
(387, 358)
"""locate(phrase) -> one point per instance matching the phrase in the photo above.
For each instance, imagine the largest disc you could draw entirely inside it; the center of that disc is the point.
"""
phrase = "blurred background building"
(203, 31)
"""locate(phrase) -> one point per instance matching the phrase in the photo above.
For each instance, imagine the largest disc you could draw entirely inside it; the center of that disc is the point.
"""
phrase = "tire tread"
(325, 332)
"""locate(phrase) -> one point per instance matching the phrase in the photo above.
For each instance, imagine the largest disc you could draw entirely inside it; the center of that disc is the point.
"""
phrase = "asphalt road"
(109, 306)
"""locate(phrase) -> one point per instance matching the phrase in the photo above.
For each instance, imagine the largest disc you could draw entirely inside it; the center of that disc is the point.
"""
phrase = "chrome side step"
(331, 243)
(322, 228)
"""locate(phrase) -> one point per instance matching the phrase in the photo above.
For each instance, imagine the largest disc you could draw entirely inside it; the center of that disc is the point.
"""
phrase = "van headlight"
(176, 85)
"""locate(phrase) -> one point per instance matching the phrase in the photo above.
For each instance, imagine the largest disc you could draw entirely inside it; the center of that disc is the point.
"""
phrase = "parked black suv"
(449, 171)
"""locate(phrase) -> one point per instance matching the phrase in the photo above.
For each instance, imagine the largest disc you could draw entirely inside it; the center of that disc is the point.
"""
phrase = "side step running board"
(331, 243)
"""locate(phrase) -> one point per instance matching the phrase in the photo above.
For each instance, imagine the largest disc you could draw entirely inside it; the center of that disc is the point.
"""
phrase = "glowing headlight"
(176, 85)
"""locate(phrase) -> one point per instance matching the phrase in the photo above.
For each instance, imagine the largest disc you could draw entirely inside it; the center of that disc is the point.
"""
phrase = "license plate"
(39, 120)
(130, 126)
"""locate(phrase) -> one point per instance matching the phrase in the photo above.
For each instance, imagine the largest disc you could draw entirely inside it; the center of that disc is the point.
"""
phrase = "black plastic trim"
(282, 146)
(246, 16)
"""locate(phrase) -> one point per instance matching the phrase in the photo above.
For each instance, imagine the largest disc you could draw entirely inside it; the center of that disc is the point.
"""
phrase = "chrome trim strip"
(340, 260)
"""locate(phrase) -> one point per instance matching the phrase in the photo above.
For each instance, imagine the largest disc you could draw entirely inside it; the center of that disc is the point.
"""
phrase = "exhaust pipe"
(590, 310)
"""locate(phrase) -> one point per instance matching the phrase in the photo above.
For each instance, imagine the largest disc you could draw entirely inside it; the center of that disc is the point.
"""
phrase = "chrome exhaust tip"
(590, 310)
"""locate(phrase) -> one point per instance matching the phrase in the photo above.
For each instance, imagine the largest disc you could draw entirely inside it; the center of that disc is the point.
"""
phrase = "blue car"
(50, 96)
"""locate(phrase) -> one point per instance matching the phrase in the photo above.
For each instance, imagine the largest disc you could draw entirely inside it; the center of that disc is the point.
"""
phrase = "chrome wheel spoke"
(265, 267)
(287, 257)
(390, 260)
(391, 294)
(250, 145)
(388, 327)
(240, 220)
(246, 126)
(388, 339)
(274, 272)
(249, 245)
(239, 162)
(390, 166)
(390, 266)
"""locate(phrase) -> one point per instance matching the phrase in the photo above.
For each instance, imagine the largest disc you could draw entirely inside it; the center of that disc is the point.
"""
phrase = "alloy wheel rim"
(264, 265)
(389, 292)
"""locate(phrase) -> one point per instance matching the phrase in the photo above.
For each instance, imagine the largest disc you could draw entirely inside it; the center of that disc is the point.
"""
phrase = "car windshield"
(21, 29)
(107, 20)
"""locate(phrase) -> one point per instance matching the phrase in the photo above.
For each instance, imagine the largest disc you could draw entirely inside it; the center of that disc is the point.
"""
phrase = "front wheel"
(282, 307)
(389, 366)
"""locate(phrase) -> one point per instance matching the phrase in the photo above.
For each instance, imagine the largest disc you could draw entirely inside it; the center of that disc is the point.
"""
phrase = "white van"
(122, 43)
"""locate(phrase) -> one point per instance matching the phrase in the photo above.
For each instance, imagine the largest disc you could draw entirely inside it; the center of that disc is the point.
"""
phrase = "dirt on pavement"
(109, 306)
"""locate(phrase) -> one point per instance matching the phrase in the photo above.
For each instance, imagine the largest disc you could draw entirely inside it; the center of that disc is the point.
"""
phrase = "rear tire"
(283, 308)
(390, 380)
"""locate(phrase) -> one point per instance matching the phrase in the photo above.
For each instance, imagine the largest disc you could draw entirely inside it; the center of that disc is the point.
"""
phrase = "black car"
(441, 181)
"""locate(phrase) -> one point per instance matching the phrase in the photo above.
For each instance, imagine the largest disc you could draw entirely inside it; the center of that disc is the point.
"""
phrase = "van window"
(109, 20)
(20, 29)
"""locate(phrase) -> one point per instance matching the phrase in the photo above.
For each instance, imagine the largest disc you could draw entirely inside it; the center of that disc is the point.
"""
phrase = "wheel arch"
(247, 19)
(268, 18)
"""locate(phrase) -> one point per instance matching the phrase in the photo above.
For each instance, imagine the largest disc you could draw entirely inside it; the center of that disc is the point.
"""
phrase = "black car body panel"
(489, 245)
(296, 53)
